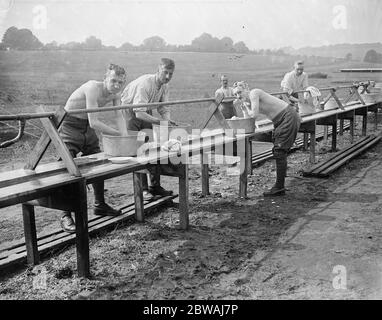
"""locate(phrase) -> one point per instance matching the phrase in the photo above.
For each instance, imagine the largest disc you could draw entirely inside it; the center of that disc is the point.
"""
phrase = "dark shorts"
(136, 124)
(79, 136)
(286, 125)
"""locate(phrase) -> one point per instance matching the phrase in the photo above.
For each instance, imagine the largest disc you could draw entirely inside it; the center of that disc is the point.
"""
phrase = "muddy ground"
(321, 241)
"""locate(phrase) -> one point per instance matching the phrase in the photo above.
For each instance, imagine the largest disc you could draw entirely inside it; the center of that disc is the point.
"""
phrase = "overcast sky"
(259, 23)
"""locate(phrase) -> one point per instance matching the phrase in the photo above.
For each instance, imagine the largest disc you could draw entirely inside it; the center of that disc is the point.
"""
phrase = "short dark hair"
(119, 71)
(167, 63)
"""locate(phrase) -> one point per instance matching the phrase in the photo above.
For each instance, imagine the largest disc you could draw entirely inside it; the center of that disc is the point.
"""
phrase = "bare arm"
(121, 123)
(91, 94)
(254, 96)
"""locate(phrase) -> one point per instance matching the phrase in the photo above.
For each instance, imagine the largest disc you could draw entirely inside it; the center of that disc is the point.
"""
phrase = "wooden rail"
(63, 186)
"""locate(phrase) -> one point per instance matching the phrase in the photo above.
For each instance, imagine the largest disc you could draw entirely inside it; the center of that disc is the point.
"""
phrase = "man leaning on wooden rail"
(78, 132)
(149, 88)
(227, 108)
(286, 122)
(293, 81)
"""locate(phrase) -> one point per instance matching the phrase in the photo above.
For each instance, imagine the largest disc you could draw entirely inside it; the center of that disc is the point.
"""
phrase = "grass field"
(28, 79)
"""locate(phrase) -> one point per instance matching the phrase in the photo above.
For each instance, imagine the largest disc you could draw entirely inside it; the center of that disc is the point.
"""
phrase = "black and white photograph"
(208, 153)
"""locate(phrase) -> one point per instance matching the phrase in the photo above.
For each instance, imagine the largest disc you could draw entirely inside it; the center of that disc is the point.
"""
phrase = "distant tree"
(3, 46)
(51, 46)
(240, 47)
(110, 48)
(154, 43)
(226, 44)
(349, 57)
(127, 46)
(171, 48)
(373, 56)
(21, 39)
(204, 42)
(92, 43)
(71, 46)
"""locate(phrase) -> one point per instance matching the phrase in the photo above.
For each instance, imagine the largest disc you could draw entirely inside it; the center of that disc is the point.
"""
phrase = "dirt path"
(321, 241)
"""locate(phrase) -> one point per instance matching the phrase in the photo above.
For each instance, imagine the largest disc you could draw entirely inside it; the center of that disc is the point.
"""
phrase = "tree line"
(24, 39)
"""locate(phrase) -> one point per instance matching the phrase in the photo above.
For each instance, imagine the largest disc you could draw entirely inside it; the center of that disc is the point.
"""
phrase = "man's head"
(224, 81)
(165, 70)
(241, 90)
(115, 78)
(299, 67)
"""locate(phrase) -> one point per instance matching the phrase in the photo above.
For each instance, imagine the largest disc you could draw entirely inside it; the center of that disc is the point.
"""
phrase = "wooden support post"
(33, 256)
(82, 235)
(363, 112)
(325, 134)
(249, 158)
(183, 197)
(44, 141)
(333, 92)
(351, 130)
(312, 155)
(61, 148)
(244, 155)
(138, 197)
(310, 128)
(341, 127)
(213, 110)
(305, 144)
(334, 136)
(364, 124)
(205, 174)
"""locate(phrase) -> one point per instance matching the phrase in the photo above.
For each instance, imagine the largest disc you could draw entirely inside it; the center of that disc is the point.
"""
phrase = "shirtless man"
(286, 122)
(78, 131)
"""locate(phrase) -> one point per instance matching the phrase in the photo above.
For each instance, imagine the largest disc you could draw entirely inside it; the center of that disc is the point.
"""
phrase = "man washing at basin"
(79, 131)
(286, 123)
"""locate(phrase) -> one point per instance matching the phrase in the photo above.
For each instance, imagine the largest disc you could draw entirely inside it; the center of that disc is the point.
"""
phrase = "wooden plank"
(31, 190)
(138, 197)
(183, 198)
(55, 243)
(29, 222)
(349, 157)
(9, 178)
(82, 236)
(43, 143)
(61, 147)
(327, 163)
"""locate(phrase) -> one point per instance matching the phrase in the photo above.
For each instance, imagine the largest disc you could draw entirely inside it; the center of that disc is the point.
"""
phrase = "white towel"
(313, 91)
(312, 96)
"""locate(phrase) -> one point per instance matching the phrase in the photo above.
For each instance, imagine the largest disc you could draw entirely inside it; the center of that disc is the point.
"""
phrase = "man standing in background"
(227, 108)
(294, 81)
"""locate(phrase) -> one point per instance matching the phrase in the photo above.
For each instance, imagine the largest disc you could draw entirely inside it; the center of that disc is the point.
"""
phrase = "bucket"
(122, 146)
(331, 104)
(306, 108)
(163, 132)
(371, 97)
(246, 125)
